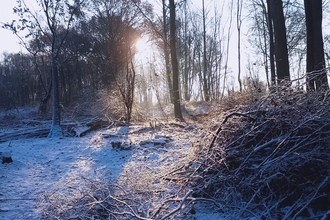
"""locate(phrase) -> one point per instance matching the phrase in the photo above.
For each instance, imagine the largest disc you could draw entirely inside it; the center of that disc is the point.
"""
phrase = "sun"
(141, 44)
(144, 49)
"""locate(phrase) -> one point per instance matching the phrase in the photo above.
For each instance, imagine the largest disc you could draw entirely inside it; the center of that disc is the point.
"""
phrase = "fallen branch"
(311, 199)
(224, 121)
(179, 206)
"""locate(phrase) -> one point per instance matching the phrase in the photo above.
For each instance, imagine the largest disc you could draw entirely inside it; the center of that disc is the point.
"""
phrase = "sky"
(9, 42)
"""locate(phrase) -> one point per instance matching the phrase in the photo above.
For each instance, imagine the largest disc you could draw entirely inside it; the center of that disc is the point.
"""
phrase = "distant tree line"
(92, 44)
(96, 52)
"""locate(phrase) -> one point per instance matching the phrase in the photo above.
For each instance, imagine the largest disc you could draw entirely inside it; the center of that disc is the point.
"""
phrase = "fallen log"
(76, 129)
(82, 129)
(26, 133)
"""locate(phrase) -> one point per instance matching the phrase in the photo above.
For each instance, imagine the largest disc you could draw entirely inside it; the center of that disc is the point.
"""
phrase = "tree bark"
(55, 130)
(175, 66)
(271, 45)
(315, 63)
(167, 55)
(239, 24)
(187, 61)
(281, 49)
(206, 88)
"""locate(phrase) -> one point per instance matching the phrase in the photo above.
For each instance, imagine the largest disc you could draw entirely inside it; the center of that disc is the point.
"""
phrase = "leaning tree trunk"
(175, 65)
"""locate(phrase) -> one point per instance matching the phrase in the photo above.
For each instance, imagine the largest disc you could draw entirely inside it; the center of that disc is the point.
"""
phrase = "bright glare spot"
(141, 44)
(145, 50)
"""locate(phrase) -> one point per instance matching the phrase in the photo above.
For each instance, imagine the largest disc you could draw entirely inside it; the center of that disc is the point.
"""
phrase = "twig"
(273, 141)
(179, 206)
(224, 121)
(326, 215)
(173, 171)
(131, 213)
(250, 201)
(311, 199)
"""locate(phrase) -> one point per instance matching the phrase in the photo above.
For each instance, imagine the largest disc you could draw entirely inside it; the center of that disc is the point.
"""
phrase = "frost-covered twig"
(224, 121)
(179, 206)
(272, 141)
(311, 199)
(326, 215)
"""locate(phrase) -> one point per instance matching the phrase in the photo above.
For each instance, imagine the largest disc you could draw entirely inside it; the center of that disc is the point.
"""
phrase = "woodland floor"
(48, 176)
(265, 158)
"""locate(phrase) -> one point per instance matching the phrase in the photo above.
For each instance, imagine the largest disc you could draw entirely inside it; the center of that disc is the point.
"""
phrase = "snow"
(44, 166)
(56, 170)
(147, 169)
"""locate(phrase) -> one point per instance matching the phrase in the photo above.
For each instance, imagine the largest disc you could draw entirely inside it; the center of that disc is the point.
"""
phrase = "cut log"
(24, 133)
(43, 130)
(85, 127)
(81, 130)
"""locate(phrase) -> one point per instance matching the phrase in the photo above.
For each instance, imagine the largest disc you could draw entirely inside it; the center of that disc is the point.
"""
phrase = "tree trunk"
(271, 45)
(315, 63)
(55, 131)
(175, 67)
(185, 77)
(167, 55)
(239, 24)
(281, 50)
(206, 88)
(44, 100)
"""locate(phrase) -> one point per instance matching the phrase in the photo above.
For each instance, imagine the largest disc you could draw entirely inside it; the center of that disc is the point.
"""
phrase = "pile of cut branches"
(269, 159)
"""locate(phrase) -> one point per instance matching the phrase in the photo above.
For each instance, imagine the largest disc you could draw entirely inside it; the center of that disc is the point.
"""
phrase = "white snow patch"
(43, 167)
(40, 165)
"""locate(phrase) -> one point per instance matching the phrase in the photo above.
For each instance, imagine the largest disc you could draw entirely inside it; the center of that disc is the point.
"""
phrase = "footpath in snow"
(43, 168)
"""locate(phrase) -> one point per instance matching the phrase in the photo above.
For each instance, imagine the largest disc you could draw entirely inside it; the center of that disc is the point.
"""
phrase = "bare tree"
(174, 61)
(229, 31)
(187, 62)
(206, 87)
(167, 51)
(126, 88)
(56, 17)
(281, 49)
(262, 31)
(238, 25)
(271, 42)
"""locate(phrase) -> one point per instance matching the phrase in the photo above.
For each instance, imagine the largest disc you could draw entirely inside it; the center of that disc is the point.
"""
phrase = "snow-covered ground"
(144, 171)
(43, 166)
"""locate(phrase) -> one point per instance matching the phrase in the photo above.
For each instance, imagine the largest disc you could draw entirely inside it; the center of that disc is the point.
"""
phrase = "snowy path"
(47, 165)
(43, 164)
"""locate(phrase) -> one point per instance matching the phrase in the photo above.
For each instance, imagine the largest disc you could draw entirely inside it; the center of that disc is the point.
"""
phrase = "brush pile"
(269, 159)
